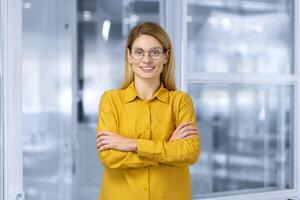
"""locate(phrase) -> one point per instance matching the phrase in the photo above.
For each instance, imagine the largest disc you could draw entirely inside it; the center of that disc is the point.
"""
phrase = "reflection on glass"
(246, 137)
(243, 36)
(47, 103)
(102, 30)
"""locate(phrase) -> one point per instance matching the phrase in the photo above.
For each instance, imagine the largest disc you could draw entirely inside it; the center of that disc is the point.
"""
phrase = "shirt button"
(145, 188)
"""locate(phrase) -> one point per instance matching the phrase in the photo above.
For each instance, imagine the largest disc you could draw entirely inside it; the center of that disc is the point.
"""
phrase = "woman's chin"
(148, 76)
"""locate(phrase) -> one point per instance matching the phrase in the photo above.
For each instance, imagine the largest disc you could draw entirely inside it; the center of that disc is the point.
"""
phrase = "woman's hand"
(110, 140)
(184, 131)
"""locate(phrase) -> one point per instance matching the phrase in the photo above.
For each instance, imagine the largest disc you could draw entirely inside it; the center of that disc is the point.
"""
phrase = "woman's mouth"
(147, 68)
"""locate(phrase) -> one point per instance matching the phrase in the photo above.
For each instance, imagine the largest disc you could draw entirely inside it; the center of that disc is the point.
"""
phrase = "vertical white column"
(11, 28)
(175, 25)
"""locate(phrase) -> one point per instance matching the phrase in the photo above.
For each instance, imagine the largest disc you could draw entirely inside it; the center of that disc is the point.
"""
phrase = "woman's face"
(147, 57)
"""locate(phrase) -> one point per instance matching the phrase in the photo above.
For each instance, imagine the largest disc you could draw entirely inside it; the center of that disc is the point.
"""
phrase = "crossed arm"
(117, 151)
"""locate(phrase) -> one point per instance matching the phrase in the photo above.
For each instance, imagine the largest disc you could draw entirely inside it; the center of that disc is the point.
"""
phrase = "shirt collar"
(161, 94)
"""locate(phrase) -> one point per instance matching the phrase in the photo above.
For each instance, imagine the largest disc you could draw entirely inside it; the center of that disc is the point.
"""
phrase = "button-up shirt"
(159, 170)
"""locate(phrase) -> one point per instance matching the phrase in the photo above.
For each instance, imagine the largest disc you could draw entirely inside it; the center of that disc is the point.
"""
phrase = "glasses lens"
(155, 53)
(137, 53)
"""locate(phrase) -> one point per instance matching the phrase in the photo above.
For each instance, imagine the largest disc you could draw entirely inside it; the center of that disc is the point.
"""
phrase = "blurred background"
(235, 58)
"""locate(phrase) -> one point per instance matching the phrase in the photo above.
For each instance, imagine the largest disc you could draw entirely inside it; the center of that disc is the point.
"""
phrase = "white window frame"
(11, 41)
(176, 11)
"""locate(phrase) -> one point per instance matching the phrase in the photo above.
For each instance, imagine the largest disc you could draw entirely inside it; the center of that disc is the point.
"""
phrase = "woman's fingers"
(191, 136)
(103, 144)
(104, 147)
(189, 133)
(101, 133)
(109, 140)
(186, 131)
(182, 125)
(104, 137)
(187, 128)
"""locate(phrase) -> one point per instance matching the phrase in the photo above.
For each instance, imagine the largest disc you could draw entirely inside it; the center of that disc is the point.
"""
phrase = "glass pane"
(246, 138)
(47, 102)
(102, 30)
(240, 36)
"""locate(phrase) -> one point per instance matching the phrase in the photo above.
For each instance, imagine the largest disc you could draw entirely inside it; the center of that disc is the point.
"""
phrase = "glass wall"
(47, 100)
(246, 116)
(102, 29)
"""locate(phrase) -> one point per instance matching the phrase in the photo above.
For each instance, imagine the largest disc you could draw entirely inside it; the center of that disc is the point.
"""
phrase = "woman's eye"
(155, 52)
(138, 52)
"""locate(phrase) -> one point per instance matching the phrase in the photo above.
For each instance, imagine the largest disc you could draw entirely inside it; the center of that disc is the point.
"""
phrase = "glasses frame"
(163, 51)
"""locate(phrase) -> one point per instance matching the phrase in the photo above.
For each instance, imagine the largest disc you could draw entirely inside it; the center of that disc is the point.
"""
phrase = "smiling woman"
(146, 134)
(147, 66)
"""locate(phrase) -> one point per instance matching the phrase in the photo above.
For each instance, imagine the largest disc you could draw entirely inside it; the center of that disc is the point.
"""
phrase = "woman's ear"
(128, 55)
(167, 56)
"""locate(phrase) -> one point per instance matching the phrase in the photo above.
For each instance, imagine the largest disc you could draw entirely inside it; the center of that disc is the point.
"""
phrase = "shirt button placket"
(148, 136)
(148, 121)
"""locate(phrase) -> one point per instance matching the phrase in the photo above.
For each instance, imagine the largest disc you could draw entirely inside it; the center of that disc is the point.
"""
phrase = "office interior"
(237, 59)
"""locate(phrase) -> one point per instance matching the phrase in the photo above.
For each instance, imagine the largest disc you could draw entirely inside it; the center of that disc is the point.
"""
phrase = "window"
(240, 73)
(47, 100)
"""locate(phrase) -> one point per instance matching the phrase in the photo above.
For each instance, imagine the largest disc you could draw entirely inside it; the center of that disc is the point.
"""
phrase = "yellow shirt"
(159, 170)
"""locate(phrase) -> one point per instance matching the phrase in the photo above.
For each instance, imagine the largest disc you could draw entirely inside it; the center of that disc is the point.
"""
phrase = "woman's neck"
(146, 89)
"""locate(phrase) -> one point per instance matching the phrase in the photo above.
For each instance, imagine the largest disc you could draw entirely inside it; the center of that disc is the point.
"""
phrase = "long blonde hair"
(148, 28)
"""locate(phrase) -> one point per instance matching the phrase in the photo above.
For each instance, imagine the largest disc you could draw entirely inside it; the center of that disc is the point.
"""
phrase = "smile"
(147, 68)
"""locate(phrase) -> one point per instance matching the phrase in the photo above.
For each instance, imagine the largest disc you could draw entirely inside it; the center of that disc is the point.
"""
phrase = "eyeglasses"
(154, 53)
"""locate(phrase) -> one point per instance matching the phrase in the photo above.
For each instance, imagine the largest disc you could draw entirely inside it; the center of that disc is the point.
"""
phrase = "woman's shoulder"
(111, 93)
(178, 94)
(179, 97)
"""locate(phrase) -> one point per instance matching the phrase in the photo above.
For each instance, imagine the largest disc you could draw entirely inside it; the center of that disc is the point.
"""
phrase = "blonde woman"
(146, 134)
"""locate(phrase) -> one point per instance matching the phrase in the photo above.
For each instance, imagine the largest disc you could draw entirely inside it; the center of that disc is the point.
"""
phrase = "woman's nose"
(147, 58)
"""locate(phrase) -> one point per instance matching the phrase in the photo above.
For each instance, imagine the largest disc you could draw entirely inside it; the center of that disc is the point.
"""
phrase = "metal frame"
(11, 28)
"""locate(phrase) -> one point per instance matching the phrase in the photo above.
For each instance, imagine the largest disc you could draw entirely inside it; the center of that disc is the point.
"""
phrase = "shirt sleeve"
(114, 158)
(180, 152)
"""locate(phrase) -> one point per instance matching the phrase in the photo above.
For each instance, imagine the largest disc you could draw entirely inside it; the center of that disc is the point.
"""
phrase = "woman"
(146, 133)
